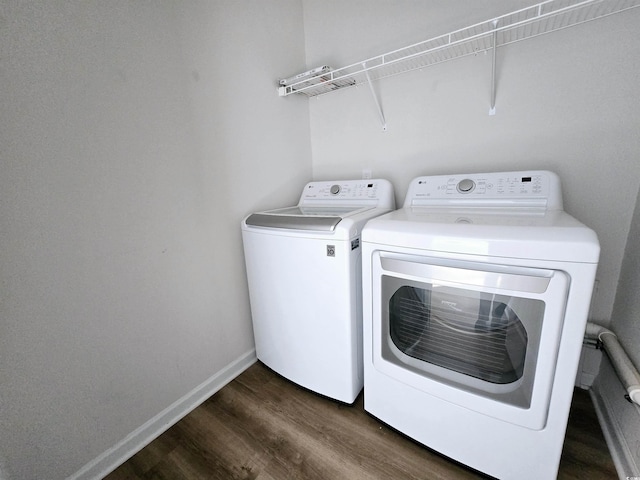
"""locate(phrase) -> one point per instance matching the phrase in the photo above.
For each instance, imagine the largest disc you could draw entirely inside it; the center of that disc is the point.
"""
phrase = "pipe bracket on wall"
(375, 98)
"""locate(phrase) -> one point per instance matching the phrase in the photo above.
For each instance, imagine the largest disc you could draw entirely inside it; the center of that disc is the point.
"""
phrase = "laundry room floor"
(261, 426)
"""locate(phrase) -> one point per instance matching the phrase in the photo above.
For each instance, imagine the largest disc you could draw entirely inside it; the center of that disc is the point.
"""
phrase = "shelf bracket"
(375, 98)
(492, 109)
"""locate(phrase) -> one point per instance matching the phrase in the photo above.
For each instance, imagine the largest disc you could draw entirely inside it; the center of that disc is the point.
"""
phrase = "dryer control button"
(466, 186)
(335, 189)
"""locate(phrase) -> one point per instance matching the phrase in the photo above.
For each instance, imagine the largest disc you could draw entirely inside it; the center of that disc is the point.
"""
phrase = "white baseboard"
(145, 434)
(619, 421)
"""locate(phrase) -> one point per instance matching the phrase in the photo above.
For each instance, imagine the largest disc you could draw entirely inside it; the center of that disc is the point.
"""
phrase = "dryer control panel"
(525, 189)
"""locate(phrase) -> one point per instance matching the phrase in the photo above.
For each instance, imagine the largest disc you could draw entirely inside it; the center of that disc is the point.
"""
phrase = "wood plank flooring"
(261, 426)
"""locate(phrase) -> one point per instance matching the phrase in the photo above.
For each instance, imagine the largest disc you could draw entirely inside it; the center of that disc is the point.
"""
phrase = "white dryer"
(476, 295)
(304, 267)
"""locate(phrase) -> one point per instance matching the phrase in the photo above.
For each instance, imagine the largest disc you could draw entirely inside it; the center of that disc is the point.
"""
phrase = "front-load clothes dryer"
(475, 301)
(304, 267)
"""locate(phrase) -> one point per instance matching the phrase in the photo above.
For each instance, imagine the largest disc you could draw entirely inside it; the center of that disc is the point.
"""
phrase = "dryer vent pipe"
(626, 370)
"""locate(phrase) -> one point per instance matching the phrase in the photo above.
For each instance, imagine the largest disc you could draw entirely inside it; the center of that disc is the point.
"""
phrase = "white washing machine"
(476, 295)
(304, 267)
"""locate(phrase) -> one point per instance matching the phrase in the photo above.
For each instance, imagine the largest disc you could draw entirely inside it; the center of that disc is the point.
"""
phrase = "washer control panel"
(349, 192)
(519, 189)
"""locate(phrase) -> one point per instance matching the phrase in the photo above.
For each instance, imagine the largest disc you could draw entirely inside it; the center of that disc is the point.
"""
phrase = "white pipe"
(626, 370)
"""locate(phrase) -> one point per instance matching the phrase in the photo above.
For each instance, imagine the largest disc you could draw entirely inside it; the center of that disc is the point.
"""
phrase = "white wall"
(621, 419)
(626, 312)
(567, 102)
(135, 136)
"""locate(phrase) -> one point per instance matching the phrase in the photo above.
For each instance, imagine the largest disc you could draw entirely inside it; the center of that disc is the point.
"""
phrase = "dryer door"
(484, 336)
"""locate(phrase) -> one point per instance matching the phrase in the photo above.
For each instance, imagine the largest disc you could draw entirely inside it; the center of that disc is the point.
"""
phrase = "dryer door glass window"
(472, 333)
(473, 339)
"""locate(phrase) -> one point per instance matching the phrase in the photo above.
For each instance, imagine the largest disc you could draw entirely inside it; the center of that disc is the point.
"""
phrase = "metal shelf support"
(375, 98)
(492, 109)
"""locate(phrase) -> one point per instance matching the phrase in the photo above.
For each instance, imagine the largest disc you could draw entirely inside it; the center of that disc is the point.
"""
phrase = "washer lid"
(320, 218)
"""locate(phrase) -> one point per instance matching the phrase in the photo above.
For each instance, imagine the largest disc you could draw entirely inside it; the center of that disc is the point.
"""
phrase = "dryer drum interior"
(483, 342)
(483, 337)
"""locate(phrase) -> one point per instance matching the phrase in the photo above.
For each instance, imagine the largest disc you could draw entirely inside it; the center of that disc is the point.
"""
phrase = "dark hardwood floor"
(261, 426)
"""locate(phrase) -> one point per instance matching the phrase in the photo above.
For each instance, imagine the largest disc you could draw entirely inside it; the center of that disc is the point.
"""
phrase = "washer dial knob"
(335, 189)
(466, 186)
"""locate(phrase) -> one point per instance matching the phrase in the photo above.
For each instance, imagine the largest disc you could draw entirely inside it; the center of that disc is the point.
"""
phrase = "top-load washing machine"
(304, 272)
(476, 295)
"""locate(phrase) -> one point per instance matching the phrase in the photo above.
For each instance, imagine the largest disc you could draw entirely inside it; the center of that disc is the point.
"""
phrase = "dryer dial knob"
(466, 186)
(335, 189)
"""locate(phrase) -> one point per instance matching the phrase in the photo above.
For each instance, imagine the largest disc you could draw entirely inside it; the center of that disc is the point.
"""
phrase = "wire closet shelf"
(530, 22)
